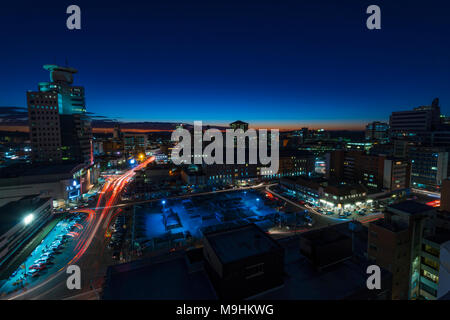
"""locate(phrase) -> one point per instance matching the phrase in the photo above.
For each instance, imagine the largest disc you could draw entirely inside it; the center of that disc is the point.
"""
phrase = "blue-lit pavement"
(25, 277)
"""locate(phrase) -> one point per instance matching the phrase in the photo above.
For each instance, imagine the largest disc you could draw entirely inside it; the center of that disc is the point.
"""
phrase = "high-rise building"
(420, 119)
(374, 171)
(76, 138)
(429, 166)
(135, 143)
(117, 134)
(45, 128)
(377, 131)
(59, 127)
(295, 163)
(417, 124)
(397, 174)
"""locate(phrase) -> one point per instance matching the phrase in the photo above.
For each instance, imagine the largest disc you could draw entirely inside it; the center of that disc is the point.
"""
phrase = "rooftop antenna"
(67, 63)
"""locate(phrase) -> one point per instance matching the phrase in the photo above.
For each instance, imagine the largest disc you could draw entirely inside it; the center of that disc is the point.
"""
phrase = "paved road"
(89, 254)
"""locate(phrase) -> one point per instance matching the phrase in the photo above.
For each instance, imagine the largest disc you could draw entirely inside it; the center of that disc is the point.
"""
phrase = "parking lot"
(49, 256)
(168, 224)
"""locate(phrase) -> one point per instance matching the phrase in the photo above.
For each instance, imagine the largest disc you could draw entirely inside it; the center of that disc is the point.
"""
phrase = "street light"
(27, 220)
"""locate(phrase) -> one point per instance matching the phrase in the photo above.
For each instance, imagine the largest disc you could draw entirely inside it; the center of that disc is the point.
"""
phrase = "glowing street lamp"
(27, 220)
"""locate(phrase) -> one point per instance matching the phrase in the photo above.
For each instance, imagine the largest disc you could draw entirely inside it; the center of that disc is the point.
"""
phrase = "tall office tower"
(76, 137)
(117, 134)
(429, 166)
(59, 127)
(44, 122)
(377, 131)
(416, 124)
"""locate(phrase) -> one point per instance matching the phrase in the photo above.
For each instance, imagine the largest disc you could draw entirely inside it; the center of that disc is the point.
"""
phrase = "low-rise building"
(62, 182)
(243, 261)
(395, 243)
(19, 222)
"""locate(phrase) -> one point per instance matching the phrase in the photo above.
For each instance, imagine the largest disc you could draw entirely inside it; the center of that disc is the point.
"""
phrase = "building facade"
(395, 243)
(59, 127)
(377, 131)
(429, 166)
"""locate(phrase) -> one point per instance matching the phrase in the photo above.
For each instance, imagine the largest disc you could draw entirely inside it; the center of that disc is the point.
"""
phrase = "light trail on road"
(111, 191)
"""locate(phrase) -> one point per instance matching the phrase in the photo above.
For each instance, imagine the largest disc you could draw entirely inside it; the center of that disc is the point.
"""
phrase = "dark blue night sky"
(271, 63)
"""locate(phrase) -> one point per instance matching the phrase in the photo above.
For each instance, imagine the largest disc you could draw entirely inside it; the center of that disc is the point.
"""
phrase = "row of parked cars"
(47, 256)
(55, 247)
(345, 214)
(118, 235)
(49, 251)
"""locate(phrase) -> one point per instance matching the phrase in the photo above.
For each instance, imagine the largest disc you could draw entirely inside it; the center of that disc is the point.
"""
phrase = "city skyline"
(130, 167)
(272, 66)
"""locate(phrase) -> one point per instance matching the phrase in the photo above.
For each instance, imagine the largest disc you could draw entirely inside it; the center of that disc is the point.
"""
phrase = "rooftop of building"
(14, 212)
(324, 236)
(393, 226)
(304, 282)
(310, 182)
(441, 236)
(241, 242)
(339, 189)
(37, 169)
(160, 278)
(410, 207)
(169, 277)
